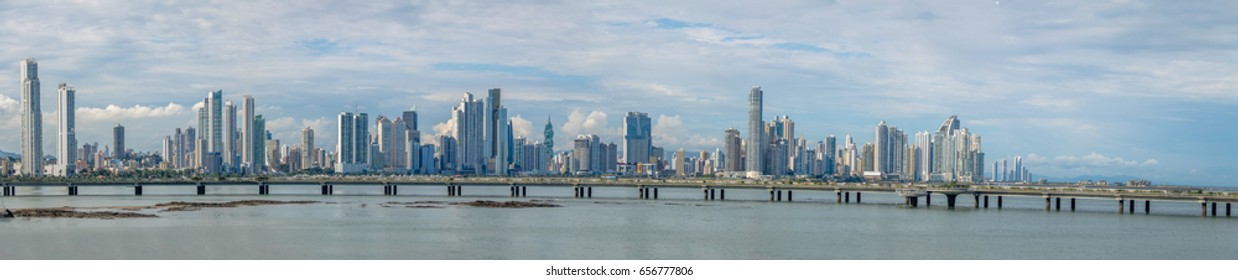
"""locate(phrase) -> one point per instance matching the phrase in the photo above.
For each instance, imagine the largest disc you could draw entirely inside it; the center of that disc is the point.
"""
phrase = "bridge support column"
(201, 189)
(704, 194)
(1121, 205)
(789, 196)
(642, 192)
(386, 189)
(847, 197)
(451, 190)
(722, 194)
(1132, 206)
(977, 197)
(839, 195)
(590, 192)
(857, 197)
(576, 191)
(511, 190)
(1203, 208)
(771, 194)
(779, 195)
(1147, 207)
(330, 189)
(1048, 201)
(1214, 209)
(655, 193)
(986, 202)
(1227, 208)
(1057, 204)
(1072, 204)
(915, 202)
(72, 190)
(950, 198)
(395, 189)
(324, 189)
(711, 194)
(928, 199)
(999, 202)
(137, 190)
(6, 191)
(524, 191)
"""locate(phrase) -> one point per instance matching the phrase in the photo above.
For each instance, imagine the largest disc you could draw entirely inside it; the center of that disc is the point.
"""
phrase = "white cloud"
(522, 128)
(1090, 162)
(112, 112)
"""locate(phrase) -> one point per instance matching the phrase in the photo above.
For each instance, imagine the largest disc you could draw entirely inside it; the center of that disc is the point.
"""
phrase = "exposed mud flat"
(133, 211)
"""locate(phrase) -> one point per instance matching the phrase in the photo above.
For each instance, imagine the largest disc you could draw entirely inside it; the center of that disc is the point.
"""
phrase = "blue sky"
(1146, 89)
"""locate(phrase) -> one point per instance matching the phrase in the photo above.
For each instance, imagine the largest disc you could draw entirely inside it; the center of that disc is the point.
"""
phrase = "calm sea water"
(612, 225)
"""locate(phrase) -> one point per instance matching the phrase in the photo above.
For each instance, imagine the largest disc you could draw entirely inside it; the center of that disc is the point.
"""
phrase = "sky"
(1139, 88)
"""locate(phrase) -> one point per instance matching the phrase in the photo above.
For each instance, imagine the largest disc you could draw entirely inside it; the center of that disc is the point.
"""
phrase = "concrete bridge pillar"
(722, 194)
(576, 191)
(986, 202)
(928, 199)
(1214, 209)
(1132, 206)
(838, 194)
(1048, 201)
(137, 189)
(324, 189)
(1203, 208)
(789, 197)
(511, 190)
(847, 197)
(655, 193)
(779, 195)
(524, 191)
(72, 190)
(999, 202)
(712, 192)
(6, 191)
(704, 193)
(451, 190)
(771, 194)
(915, 202)
(977, 197)
(950, 198)
(590, 191)
(857, 197)
(1072, 204)
(331, 189)
(1057, 204)
(1227, 208)
(1147, 207)
(395, 189)
(1121, 204)
(201, 189)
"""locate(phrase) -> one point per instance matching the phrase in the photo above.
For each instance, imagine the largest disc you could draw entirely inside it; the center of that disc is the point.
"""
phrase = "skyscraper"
(118, 142)
(549, 142)
(214, 111)
(259, 140)
(31, 119)
(468, 118)
(353, 145)
(66, 147)
(756, 145)
(307, 147)
(881, 149)
(247, 132)
(228, 150)
(637, 137)
(734, 150)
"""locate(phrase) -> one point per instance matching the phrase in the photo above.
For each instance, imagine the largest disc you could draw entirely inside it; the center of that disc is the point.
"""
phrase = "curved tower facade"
(756, 143)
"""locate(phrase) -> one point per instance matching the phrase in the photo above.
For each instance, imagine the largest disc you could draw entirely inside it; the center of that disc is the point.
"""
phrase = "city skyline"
(1091, 101)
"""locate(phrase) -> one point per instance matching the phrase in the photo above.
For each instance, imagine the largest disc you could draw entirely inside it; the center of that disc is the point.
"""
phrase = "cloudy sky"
(1147, 89)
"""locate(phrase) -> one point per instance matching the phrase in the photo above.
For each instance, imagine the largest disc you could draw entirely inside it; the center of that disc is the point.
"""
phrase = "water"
(612, 225)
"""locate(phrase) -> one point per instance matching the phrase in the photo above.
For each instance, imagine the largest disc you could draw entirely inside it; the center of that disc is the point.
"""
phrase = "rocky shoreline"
(133, 211)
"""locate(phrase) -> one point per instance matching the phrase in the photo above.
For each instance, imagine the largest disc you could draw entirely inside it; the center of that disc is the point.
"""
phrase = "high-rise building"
(585, 154)
(468, 118)
(66, 146)
(31, 119)
(353, 145)
(734, 151)
(247, 133)
(756, 145)
(228, 149)
(881, 149)
(679, 159)
(924, 141)
(307, 145)
(498, 138)
(549, 142)
(214, 129)
(956, 154)
(259, 141)
(830, 151)
(637, 137)
(118, 142)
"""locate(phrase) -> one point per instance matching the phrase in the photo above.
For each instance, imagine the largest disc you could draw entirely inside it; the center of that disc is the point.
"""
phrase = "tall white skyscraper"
(66, 147)
(247, 132)
(31, 119)
(468, 118)
(307, 146)
(881, 149)
(228, 151)
(756, 145)
(353, 146)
